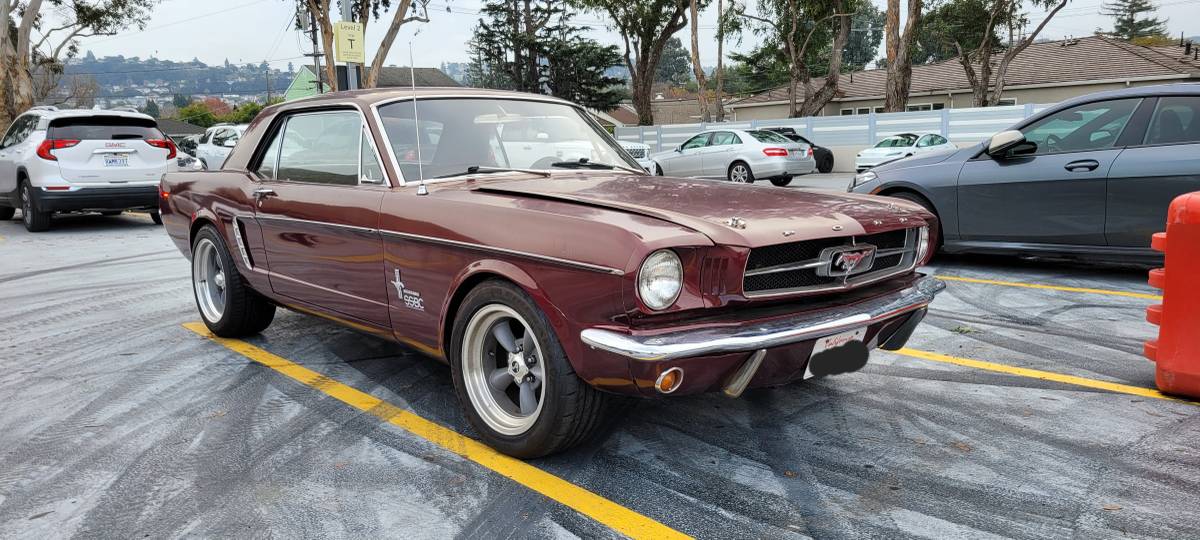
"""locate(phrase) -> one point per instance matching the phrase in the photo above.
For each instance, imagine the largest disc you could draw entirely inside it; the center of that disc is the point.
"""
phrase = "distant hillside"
(121, 77)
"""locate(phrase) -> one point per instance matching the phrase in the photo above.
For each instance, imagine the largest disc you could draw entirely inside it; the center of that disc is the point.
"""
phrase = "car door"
(10, 151)
(318, 210)
(687, 160)
(1160, 165)
(718, 154)
(1054, 194)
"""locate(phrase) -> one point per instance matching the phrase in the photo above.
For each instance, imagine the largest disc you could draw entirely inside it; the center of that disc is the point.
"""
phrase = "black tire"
(245, 312)
(571, 411)
(924, 203)
(781, 181)
(729, 173)
(156, 218)
(7, 213)
(658, 170)
(826, 164)
(35, 219)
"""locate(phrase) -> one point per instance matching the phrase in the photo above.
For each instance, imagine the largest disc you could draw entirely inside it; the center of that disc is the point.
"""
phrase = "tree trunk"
(720, 75)
(814, 102)
(320, 9)
(1015, 49)
(899, 53)
(701, 83)
(398, 20)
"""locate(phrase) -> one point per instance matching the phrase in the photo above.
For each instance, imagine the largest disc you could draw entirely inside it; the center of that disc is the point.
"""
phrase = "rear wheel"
(513, 379)
(7, 213)
(111, 213)
(228, 306)
(825, 165)
(740, 173)
(156, 218)
(35, 219)
(781, 181)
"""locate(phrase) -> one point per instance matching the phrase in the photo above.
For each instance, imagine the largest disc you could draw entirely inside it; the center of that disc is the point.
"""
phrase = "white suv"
(55, 160)
(216, 143)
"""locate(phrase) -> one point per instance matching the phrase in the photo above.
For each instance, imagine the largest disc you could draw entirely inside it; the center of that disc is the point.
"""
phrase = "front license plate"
(121, 161)
(832, 342)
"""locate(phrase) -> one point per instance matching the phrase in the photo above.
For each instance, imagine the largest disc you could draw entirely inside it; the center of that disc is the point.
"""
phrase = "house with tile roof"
(1045, 72)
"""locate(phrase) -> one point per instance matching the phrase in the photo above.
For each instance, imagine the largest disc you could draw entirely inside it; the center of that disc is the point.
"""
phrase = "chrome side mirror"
(1004, 141)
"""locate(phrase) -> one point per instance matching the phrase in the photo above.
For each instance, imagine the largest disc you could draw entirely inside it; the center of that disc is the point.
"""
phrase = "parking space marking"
(1051, 287)
(1043, 375)
(604, 511)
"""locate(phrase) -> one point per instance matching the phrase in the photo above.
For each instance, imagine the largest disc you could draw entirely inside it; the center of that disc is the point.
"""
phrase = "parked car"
(215, 144)
(641, 153)
(54, 160)
(900, 146)
(189, 143)
(551, 290)
(184, 162)
(1090, 177)
(737, 155)
(824, 156)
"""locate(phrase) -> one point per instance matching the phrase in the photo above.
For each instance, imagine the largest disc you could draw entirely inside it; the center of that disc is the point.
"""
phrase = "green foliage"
(533, 47)
(243, 114)
(1133, 20)
(675, 67)
(961, 21)
(180, 101)
(197, 113)
(151, 109)
(866, 33)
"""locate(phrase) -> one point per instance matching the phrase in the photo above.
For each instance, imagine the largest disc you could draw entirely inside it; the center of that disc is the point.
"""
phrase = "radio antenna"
(412, 78)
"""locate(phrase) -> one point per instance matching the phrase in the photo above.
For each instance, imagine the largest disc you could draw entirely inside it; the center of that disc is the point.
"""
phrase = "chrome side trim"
(326, 289)
(268, 217)
(804, 265)
(765, 335)
(741, 379)
(513, 252)
(241, 244)
(907, 264)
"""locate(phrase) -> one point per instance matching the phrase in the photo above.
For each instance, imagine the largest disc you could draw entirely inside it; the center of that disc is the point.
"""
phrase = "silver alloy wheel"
(208, 277)
(503, 370)
(739, 173)
(26, 205)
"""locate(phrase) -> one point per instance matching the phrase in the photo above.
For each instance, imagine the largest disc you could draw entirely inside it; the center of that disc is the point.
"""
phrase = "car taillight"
(775, 152)
(164, 143)
(43, 150)
(810, 151)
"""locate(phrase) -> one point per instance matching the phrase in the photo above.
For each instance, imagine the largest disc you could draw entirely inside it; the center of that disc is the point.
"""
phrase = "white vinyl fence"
(961, 126)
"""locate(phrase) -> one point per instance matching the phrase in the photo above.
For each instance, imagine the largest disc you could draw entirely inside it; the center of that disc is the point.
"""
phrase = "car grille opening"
(809, 266)
(638, 153)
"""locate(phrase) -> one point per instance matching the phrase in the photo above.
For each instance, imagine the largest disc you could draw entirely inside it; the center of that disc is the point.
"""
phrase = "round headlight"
(660, 279)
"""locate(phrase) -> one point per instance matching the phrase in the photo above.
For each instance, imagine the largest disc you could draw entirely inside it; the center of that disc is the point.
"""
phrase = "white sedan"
(899, 146)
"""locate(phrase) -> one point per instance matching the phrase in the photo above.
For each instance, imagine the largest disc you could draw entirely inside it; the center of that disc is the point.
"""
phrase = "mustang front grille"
(829, 264)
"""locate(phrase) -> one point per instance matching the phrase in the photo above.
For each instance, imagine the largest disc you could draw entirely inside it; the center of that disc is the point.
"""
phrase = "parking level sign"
(349, 39)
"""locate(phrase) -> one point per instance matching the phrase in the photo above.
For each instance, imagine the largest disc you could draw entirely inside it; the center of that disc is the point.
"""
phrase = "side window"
(369, 170)
(321, 148)
(1176, 120)
(722, 138)
(10, 135)
(1087, 127)
(19, 131)
(270, 158)
(219, 136)
(925, 141)
(206, 137)
(935, 140)
(696, 142)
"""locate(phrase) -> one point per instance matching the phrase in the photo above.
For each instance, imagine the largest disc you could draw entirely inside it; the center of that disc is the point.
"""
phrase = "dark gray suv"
(1090, 177)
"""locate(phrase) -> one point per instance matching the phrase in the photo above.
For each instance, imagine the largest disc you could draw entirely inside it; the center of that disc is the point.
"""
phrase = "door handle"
(1083, 164)
(262, 193)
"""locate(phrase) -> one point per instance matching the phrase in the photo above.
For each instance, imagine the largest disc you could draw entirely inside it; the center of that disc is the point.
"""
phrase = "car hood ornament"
(736, 223)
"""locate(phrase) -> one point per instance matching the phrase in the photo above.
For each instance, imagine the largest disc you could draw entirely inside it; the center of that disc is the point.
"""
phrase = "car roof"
(1176, 89)
(54, 114)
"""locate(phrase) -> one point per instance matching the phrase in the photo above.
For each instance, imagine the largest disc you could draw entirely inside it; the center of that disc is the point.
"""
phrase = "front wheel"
(513, 379)
(740, 173)
(228, 306)
(658, 170)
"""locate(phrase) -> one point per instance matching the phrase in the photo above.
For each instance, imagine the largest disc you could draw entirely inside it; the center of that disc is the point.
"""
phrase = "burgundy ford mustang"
(510, 236)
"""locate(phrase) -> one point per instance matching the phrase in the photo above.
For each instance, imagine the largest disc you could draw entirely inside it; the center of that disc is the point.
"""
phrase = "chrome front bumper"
(773, 333)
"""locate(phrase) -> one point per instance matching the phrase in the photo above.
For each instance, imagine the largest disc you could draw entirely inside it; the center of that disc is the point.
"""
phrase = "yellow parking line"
(1043, 375)
(607, 512)
(1052, 287)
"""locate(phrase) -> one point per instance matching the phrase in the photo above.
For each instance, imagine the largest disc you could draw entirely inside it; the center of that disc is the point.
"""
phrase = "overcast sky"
(245, 31)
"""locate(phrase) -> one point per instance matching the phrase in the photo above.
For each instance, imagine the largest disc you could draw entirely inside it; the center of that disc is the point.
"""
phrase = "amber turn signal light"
(669, 380)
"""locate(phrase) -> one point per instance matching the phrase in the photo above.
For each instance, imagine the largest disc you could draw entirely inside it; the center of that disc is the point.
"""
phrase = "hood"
(884, 152)
(770, 215)
(921, 160)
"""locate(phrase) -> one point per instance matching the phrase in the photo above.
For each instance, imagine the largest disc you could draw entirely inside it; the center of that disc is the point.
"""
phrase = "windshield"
(503, 133)
(103, 128)
(769, 136)
(897, 141)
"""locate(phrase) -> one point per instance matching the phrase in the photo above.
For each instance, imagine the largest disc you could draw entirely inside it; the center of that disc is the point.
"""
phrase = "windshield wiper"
(476, 169)
(585, 163)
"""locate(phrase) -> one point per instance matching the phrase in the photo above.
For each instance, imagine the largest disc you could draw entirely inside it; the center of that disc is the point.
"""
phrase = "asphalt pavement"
(119, 422)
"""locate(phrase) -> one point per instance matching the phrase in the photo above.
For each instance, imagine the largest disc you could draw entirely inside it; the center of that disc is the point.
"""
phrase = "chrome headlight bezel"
(922, 244)
(661, 268)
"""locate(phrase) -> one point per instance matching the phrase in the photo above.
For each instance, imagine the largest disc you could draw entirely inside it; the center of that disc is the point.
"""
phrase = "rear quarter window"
(104, 128)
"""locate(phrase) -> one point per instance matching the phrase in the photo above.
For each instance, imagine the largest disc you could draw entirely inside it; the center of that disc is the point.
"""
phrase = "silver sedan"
(738, 156)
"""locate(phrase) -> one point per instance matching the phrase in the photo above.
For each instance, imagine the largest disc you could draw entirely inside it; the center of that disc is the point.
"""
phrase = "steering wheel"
(1052, 143)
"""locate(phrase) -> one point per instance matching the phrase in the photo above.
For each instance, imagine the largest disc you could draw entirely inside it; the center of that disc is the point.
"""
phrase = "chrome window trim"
(363, 125)
(908, 263)
(512, 252)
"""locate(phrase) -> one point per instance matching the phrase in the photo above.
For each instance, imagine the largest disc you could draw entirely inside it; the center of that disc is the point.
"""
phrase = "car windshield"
(495, 133)
(769, 136)
(897, 141)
